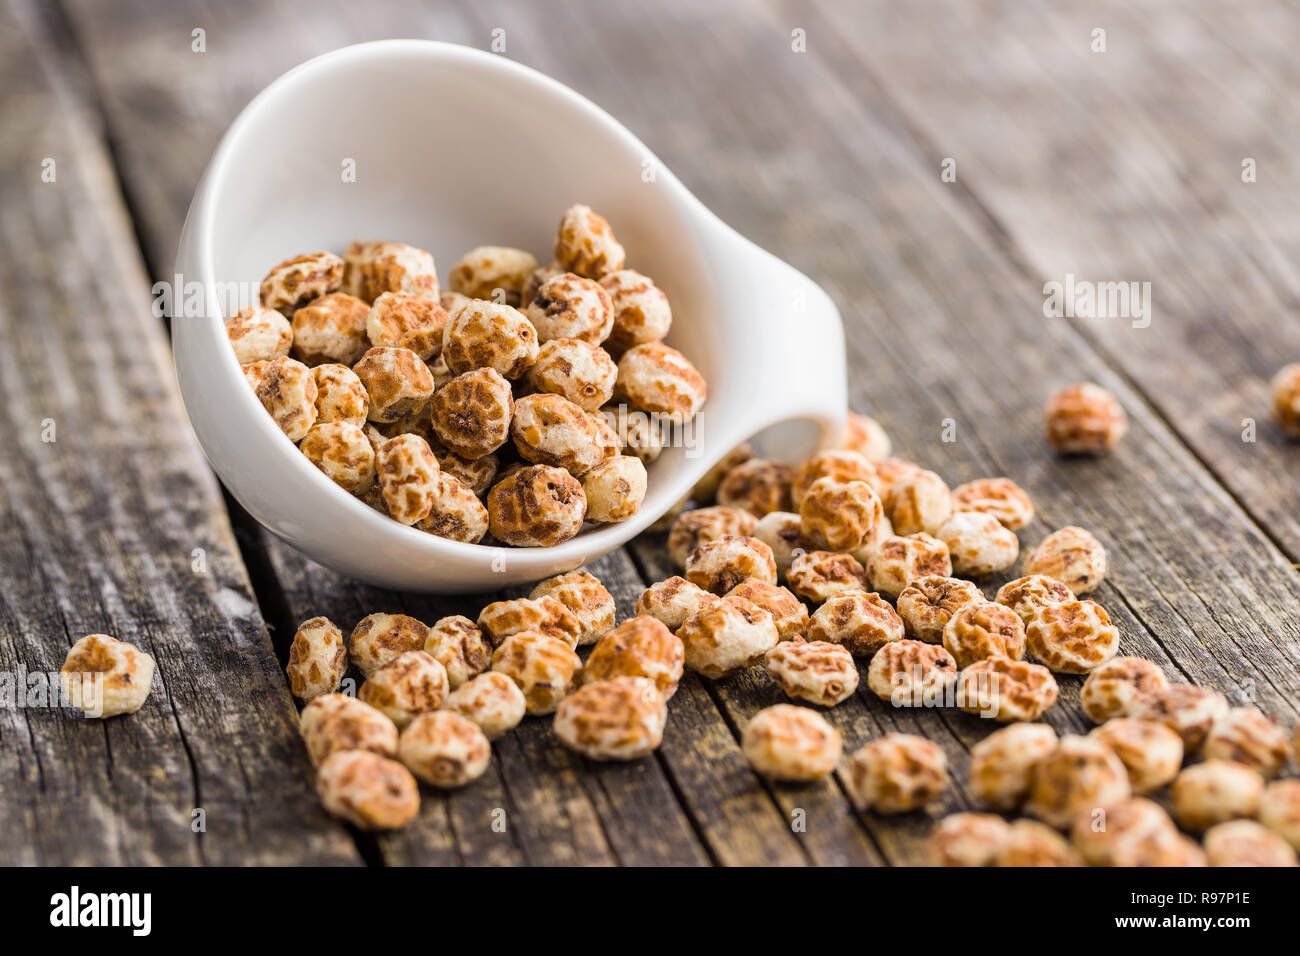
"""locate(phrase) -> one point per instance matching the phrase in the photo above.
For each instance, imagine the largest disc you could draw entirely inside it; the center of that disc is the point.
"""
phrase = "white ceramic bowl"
(454, 148)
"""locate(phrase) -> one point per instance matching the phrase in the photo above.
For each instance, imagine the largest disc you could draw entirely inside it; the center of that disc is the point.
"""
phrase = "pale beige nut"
(342, 451)
(1285, 389)
(1027, 596)
(608, 439)
(882, 532)
(706, 489)
(477, 474)
(838, 515)
(1247, 843)
(317, 659)
(488, 335)
(536, 507)
(1006, 690)
(862, 623)
(978, 544)
(536, 279)
(913, 674)
(340, 396)
(789, 613)
(980, 630)
(544, 615)
(619, 718)
(790, 743)
(577, 370)
(471, 414)
(1151, 752)
(818, 575)
(759, 486)
(919, 502)
(288, 393)
(615, 488)
(1033, 844)
(410, 684)
(1002, 764)
(297, 281)
(368, 791)
(415, 424)
(498, 273)
(1214, 792)
(585, 244)
(551, 430)
(398, 383)
(258, 335)
(331, 329)
(444, 749)
(440, 372)
(1246, 736)
(726, 637)
(1072, 556)
(780, 531)
(456, 514)
(814, 671)
(660, 380)
(380, 637)
(588, 600)
(1163, 848)
(452, 302)
(641, 310)
(459, 646)
(720, 565)
(1084, 419)
(104, 677)
(399, 320)
(673, 600)
(639, 647)
(253, 373)
(966, 839)
(928, 603)
(865, 436)
(569, 306)
(333, 723)
(1114, 688)
(890, 472)
(1079, 776)
(1072, 638)
(1187, 710)
(703, 525)
(371, 268)
(1279, 810)
(1000, 498)
(897, 773)
(491, 700)
(836, 463)
(901, 559)
(408, 478)
(544, 667)
(637, 433)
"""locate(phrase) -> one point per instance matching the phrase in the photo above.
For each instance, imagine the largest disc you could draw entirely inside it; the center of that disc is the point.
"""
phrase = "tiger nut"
(408, 478)
(369, 791)
(577, 370)
(636, 432)
(891, 472)
(1033, 844)
(838, 464)
(706, 488)
(966, 839)
(900, 560)
(673, 600)
(297, 281)
(1279, 809)
(476, 474)
(839, 515)
(1084, 419)
(340, 396)
(1072, 638)
(1246, 736)
(491, 700)
(536, 279)
(641, 310)
(722, 564)
(1151, 752)
(551, 430)
(978, 544)
(398, 320)
(371, 268)
(703, 525)
(621, 718)
(981, 630)
(536, 507)
(585, 597)
(1187, 710)
(779, 530)
(258, 335)
(865, 435)
(1072, 556)
(331, 329)
(317, 659)
(1122, 834)
(615, 488)
(1114, 688)
(288, 392)
(253, 373)
(103, 677)
(1214, 792)
(498, 273)
(817, 575)
(1285, 389)
(1006, 690)
(379, 638)
(585, 244)
(1002, 764)
(920, 502)
(398, 383)
(544, 667)
(727, 636)
(444, 749)
(759, 486)
(660, 380)
(1246, 843)
(790, 743)
(569, 306)
(457, 514)
(928, 603)
(1028, 596)
(814, 671)
(471, 414)
(1080, 775)
(409, 685)
(459, 646)
(862, 623)
(342, 451)
(639, 647)
(545, 615)
(897, 773)
(1000, 498)
(787, 611)
(488, 335)
(333, 723)
(912, 674)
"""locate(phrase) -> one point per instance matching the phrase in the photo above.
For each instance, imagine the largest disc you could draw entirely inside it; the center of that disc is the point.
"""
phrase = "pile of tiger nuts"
(511, 407)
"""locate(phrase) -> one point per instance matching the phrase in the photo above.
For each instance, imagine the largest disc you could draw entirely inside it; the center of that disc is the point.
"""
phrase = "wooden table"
(1122, 165)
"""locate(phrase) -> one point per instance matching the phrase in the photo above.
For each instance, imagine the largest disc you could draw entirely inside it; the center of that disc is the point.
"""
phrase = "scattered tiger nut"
(720, 565)
(1114, 688)
(981, 630)
(477, 474)
(779, 530)
(1028, 596)
(536, 279)
(1002, 764)
(297, 281)
(865, 435)
(569, 306)
(1072, 556)
(551, 430)
(817, 575)
(897, 773)
(1246, 736)
(1033, 844)
(814, 671)
(1080, 775)
(759, 486)
(966, 839)
(1151, 752)
(838, 515)
(1279, 810)
(536, 507)
(332, 723)
(369, 791)
(317, 659)
(488, 335)
(408, 478)
(544, 667)
(1187, 710)
(342, 451)
(660, 380)
(978, 544)
(498, 273)
(380, 637)
(1084, 419)
(371, 268)
(727, 636)
(1133, 832)
(491, 700)
(620, 718)
(615, 488)
(703, 525)
(585, 244)
(838, 464)
(544, 615)
(585, 597)
(331, 329)
(103, 677)
(1072, 638)
(1285, 388)
(787, 611)
(928, 603)
(912, 674)
(641, 310)
(863, 623)
(1000, 498)
(459, 646)
(790, 743)
(920, 502)
(456, 514)
(471, 414)
(410, 684)
(253, 373)
(288, 392)
(639, 647)
(891, 472)
(673, 600)
(706, 489)
(1006, 690)
(444, 749)
(340, 396)
(901, 559)
(398, 320)
(1246, 843)
(1214, 792)
(398, 383)
(258, 335)
(577, 370)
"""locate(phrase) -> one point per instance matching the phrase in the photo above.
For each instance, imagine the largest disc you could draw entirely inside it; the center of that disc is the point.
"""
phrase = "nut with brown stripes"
(491, 700)
(703, 525)
(673, 600)
(585, 243)
(981, 630)
(104, 677)
(536, 507)
(819, 575)
(380, 637)
(367, 790)
(862, 623)
(583, 594)
(317, 659)
(258, 335)
(544, 667)
(639, 647)
(1084, 420)
(928, 603)
(897, 773)
(408, 478)
(814, 671)
(621, 718)
(333, 723)
(295, 282)
(471, 414)
(641, 310)
(544, 614)
(459, 646)
(720, 565)
(444, 749)
(498, 273)
(785, 742)
(409, 685)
